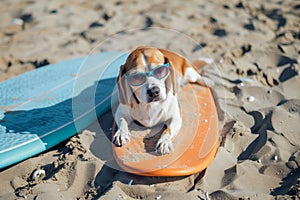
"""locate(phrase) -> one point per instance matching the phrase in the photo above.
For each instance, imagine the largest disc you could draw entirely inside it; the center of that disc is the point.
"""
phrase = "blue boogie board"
(41, 108)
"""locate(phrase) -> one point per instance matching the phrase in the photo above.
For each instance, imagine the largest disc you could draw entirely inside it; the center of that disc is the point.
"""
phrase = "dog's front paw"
(121, 138)
(165, 145)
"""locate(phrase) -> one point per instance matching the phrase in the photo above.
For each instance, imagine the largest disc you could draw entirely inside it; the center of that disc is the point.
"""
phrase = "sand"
(255, 46)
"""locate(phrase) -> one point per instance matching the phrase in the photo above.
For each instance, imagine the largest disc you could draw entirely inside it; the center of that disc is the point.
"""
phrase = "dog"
(147, 85)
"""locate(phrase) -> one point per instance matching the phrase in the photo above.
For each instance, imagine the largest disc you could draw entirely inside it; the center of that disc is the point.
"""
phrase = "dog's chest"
(148, 114)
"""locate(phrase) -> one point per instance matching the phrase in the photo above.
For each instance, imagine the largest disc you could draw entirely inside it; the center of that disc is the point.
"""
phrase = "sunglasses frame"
(147, 74)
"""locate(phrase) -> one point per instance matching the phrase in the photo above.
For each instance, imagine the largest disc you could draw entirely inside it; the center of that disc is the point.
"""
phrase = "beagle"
(147, 85)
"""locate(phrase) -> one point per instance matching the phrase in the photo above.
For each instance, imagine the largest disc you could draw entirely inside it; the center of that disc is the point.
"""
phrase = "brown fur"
(155, 56)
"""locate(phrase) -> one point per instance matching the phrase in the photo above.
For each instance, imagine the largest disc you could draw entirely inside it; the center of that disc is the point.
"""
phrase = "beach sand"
(255, 46)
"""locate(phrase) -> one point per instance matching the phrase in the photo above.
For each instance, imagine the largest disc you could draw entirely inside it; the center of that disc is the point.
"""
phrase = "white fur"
(150, 114)
(164, 144)
(141, 92)
(144, 60)
(193, 76)
(122, 136)
(166, 111)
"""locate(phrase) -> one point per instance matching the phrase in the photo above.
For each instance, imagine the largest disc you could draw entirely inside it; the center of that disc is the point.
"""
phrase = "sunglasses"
(139, 78)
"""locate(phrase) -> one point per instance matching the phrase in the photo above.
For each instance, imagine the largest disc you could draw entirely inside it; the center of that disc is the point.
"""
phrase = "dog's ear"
(123, 88)
(171, 81)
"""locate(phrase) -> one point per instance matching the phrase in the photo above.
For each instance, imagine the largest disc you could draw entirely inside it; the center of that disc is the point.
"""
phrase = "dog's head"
(147, 76)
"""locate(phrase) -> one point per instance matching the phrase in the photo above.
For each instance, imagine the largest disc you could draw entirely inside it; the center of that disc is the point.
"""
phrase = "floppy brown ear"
(171, 81)
(122, 85)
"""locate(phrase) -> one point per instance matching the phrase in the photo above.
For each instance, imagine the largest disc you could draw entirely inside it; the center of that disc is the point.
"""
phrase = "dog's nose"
(153, 92)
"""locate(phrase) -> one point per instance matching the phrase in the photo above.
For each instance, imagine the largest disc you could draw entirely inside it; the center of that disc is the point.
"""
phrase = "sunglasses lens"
(161, 72)
(137, 79)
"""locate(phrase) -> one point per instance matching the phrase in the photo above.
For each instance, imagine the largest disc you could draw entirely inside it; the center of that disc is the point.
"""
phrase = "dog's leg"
(173, 125)
(164, 144)
(191, 75)
(122, 136)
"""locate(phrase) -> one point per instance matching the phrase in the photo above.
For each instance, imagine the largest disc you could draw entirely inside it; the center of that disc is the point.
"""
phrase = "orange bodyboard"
(195, 145)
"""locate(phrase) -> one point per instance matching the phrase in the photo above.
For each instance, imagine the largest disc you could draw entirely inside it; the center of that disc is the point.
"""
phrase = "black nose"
(153, 92)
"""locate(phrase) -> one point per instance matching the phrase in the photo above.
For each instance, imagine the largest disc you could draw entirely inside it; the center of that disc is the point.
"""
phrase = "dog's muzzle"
(153, 93)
